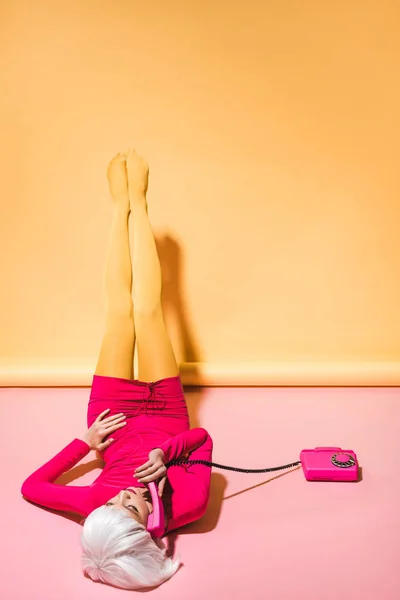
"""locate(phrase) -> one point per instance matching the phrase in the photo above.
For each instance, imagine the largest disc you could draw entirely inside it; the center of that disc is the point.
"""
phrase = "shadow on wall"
(175, 308)
(176, 312)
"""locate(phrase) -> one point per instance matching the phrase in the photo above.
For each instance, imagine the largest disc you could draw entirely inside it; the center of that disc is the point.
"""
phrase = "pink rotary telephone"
(156, 520)
(329, 464)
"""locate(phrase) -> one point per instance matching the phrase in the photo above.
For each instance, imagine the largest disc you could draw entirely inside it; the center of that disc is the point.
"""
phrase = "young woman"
(137, 425)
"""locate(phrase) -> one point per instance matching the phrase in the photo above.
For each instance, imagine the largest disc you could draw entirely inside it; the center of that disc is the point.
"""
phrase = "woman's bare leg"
(116, 354)
(156, 359)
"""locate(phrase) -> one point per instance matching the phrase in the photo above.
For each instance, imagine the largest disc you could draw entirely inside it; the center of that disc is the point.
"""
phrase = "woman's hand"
(101, 428)
(153, 469)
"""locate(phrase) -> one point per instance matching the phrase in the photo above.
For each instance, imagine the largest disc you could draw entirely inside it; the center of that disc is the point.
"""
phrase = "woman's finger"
(153, 477)
(103, 432)
(111, 424)
(146, 465)
(115, 427)
(101, 415)
(108, 430)
(109, 419)
(161, 485)
(104, 445)
(147, 472)
(152, 469)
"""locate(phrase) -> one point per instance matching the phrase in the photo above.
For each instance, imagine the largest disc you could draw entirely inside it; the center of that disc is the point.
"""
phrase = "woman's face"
(135, 502)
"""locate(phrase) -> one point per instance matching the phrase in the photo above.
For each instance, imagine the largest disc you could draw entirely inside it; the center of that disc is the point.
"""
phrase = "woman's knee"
(148, 312)
(121, 314)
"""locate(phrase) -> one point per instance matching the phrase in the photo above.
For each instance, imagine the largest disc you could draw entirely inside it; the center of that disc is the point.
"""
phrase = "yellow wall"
(272, 133)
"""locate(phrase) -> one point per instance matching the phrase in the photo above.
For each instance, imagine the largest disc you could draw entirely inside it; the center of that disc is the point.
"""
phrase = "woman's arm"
(39, 486)
(180, 445)
(188, 442)
(190, 485)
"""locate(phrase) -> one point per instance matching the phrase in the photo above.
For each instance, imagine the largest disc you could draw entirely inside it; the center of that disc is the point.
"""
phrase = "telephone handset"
(156, 520)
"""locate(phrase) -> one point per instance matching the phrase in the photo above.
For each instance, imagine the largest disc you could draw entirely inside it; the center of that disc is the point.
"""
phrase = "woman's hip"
(160, 404)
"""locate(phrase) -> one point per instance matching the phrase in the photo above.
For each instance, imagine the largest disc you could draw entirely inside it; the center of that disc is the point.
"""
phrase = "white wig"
(119, 551)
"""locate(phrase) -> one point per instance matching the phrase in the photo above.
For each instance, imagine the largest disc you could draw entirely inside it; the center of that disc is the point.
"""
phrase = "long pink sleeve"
(39, 486)
(183, 443)
(190, 483)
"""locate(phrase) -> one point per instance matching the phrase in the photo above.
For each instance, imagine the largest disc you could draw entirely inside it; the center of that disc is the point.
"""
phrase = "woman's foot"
(118, 181)
(138, 174)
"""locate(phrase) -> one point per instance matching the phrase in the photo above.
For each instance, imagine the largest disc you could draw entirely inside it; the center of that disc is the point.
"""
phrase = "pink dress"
(157, 417)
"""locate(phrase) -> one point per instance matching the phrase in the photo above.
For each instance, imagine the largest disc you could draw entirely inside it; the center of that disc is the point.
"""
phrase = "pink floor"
(263, 537)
